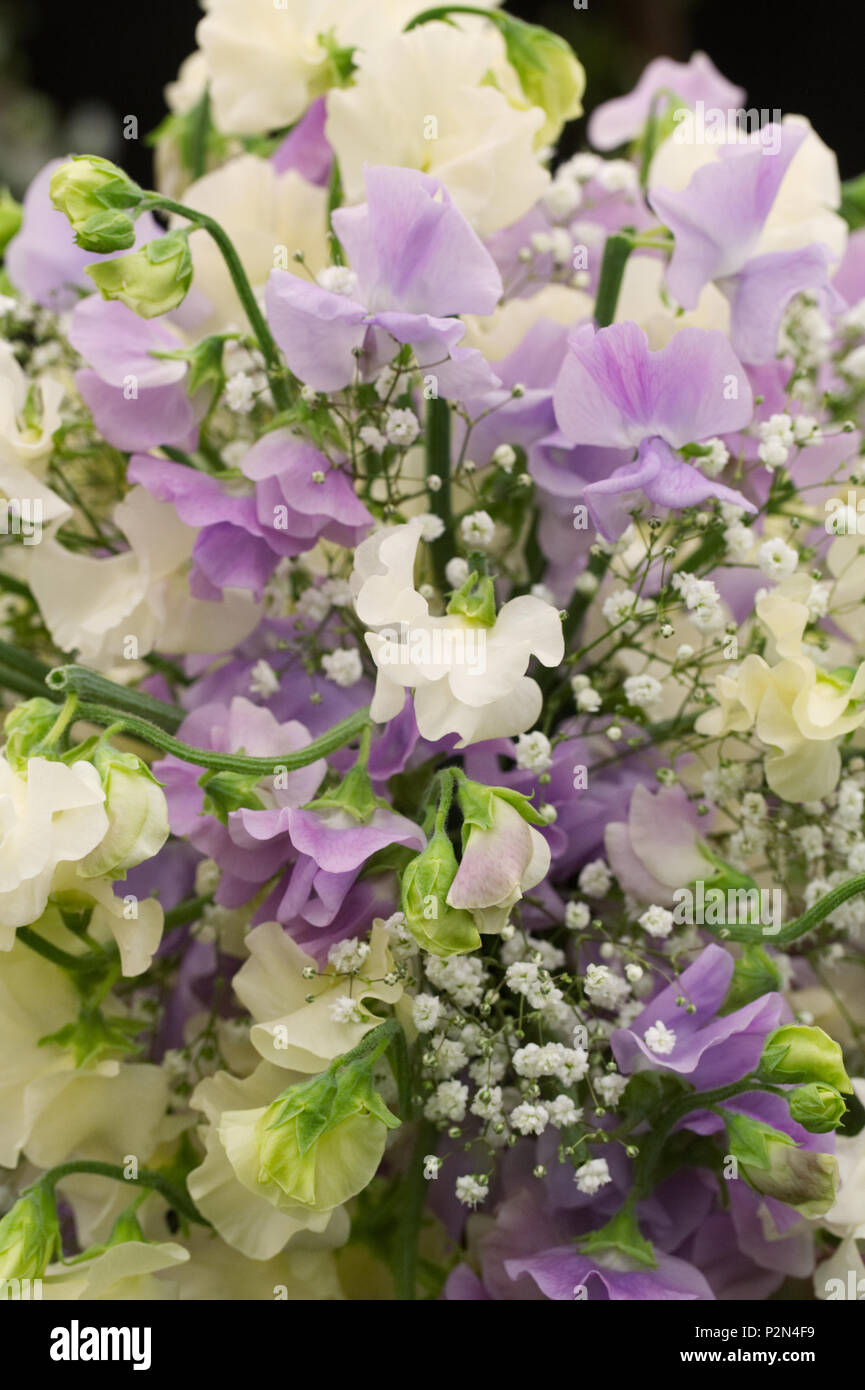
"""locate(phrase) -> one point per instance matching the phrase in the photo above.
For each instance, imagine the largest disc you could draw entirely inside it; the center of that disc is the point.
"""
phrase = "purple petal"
(317, 330)
(615, 122)
(761, 291)
(118, 344)
(159, 415)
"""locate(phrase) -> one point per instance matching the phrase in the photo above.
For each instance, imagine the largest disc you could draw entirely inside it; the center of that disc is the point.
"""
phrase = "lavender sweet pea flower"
(415, 262)
(138, 400)
(658, 849)
(306, 147)
(43, 260)
(560, 1274)
(717, 222)
(615, 122)
(708, 1051)
(613, 392)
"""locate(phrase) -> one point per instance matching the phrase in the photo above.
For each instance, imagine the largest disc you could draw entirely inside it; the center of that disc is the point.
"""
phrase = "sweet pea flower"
(292, 1030)
(613, 392)
(484, 145)
(560, 1272)
(796, 709)
(622, 119)
(138, 398)
(94, 605)
(489, 696)
(719, 223)
(658, 849)
(498, 865)
(415, 262)
(708, 1051)
(26, 447)
(55, 814)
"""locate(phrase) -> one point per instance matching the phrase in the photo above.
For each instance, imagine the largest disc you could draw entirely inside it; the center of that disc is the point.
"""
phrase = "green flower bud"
(435, 926)
(321, 1142)
(550, 73)
(29, 1234)
(26, 728)
(10, 218)
(795, 1053)
(86, 189)
(817, 1107)
(475, 600)
(150, 281)
(137, 815)
(775, 1165)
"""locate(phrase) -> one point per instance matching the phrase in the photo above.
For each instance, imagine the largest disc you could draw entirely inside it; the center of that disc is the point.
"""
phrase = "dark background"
(70, 70)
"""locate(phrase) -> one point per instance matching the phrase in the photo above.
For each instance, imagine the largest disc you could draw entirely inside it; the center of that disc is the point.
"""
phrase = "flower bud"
(437, 927)
(795, 1053)
(91, 192)
(817, 1107)
(549, 71)
(321, 1142)
(150, 281)
(29, 1234)
(10, 218)
(137, 815)
(772, 1163)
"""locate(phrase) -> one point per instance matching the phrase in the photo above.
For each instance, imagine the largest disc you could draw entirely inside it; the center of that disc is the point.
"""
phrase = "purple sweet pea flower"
(415, 262)
(615, 122)
(138, 400)
(708, 1051)
(306, 148)
(561, 1273)
(613, 392)
(43, 260)
(717, 221)
(658, 849)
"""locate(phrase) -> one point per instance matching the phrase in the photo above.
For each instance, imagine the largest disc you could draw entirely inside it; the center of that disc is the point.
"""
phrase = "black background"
(806, 58)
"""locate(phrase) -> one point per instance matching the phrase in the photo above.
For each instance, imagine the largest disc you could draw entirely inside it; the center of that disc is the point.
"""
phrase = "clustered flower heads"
(433, 662)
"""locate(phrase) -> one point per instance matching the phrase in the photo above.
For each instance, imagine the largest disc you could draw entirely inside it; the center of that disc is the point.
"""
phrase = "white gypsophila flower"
(533, 1061)
(850, 804)
(372, 438)
(810, 838)
(592, 1176)
(588, 701)
(343, 666)
(853, 364)
(657, 921)
(448, 1056)
(714, 463)
(573, 1065)
(643, 691)
(660, 1039)
(447, 1103)
(431, 526)
(595, 879)
(425, 1010)
(487, 1103)
(338, 279)
(577, 916)
(777, 559)
(338, 591)
(739, 543)
(263, 680)
(478, 529)
(533, 752)
(471, 1191)
(529, 1118)
(604, 988)
(462, 977)
(240, 393)
(456, 572)
(505, 457)
(633, 972)
(610, 1088)
(401, 427)
(563, 1112)
(349, 955)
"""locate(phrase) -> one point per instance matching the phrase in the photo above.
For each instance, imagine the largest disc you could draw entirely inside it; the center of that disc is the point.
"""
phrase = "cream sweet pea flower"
(137, 936)
(55, 814)
(217, 1272)
(24, 449)
(118, 1273)
(795, 708)
(95, 606)
(267, 215)
(500, 333)
(468, 679)
(267, 62)
(288, 1031)
(226, 1186)
(425, 100)
(49, 1107)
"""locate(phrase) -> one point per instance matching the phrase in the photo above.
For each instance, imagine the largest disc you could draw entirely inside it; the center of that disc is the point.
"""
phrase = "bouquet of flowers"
(432, 807)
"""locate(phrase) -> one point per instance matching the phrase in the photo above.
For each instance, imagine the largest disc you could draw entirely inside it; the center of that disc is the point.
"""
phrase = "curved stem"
(89, 685)
(337, 737)
(807, 922)
(616, 252)
(257, 321)
(174, 1195)
(64, 959)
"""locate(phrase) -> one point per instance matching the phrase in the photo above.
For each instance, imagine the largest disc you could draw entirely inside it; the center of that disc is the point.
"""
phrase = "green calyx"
(621, 1238)
(475, 600)
(150, 281)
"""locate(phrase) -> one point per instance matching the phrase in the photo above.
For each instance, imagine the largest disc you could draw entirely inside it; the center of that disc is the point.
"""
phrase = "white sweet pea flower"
(52, 815)
(95, 605)
(24, 449)
(468, 678)
(424, 100)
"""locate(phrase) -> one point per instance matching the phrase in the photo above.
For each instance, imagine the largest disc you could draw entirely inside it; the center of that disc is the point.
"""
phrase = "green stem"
(174, 1195)
(438, 464)
(413, 1196)
(337, 737)
(187, 911)
(12, 678)
(653, 1147)
(65, 959)
(616, 252)
(23, 661)
(91, 687)
(801, 925)
(258, 323)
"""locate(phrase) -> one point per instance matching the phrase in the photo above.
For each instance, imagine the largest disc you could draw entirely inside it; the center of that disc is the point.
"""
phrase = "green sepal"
(795, 1053)
(475, 600)
(92, 1037)
(225, 792)
(754, 974)
(622, 1235)
(749, 1139)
